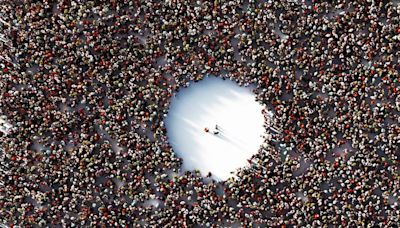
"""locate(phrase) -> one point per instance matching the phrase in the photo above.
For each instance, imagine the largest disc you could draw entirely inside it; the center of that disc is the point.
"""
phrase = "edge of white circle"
(205, 104)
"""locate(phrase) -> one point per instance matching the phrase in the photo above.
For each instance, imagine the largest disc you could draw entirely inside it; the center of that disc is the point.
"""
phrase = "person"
(216, 130)
(206, 130)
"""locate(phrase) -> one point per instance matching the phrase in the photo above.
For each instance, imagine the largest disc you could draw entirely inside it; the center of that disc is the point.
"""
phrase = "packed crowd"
(90, 82)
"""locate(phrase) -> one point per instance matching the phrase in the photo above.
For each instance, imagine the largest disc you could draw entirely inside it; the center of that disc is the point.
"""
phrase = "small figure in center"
(216, 130)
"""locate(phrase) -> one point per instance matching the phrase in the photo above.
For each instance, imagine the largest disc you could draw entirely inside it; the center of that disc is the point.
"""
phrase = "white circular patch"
(234, 121)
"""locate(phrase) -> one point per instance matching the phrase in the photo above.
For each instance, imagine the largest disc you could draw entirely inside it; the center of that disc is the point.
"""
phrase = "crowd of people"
(86, 86)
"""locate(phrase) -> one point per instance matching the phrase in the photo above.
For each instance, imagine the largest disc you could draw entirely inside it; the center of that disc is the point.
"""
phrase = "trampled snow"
(208, 103)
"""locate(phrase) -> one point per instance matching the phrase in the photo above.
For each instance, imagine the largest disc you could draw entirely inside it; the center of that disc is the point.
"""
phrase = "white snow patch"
(206, 104)
(5, 127)
(153, 202)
